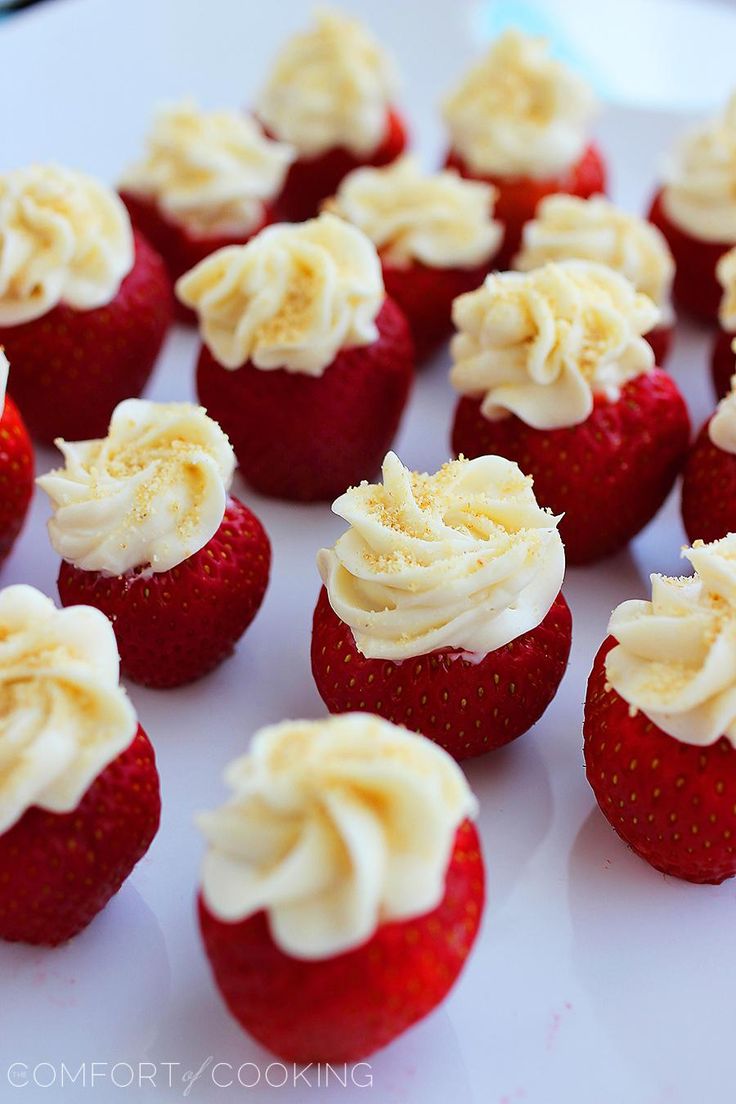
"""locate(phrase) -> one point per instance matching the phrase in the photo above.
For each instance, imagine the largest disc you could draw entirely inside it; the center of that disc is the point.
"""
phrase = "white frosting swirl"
(330, 86)
(726, 273)
(464, 559)
(149, 495)
(63, 715)
(209, 171)
(64, 237)
(334, 827)
(291, 298)
(4, 369)
(676, 655)
(542, 344)
(570, 228)
(519, 112)
(722, 426)
(438, 219)
(700, 190)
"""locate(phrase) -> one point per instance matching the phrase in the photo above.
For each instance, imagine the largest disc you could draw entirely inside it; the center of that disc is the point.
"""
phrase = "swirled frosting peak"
(676, 655)
(63, 715)
(464, 559)
(726, 273)
(64, 238)
(334, 827)
(147, 496)
(209, 171)
(330, 87)
(722, 426)
(542, 344)
(438, 219)
(291, 298)
(700, 190)
(519, 112)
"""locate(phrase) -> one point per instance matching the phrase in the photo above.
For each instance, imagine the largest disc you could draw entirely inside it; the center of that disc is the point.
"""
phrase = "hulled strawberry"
(329, 96)
(209, 179)
(723, 357)
(16, 467)
(307, 371)
(567, 227)
(149, 534)
(329, 950)
(435, 236)
(709, 479)
(84, 302)
(441, 607)
(660, 740)
(554, 373)
(79, 793)
(519, 121)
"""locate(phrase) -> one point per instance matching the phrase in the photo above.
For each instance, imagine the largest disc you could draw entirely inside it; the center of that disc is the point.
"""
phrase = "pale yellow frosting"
(519, 112)
(464, 559)
(722, 426)
(63, 715)
(147, 496)
(542, 344)
(700, 190)
(569, 228)
(334, 827)
(291, 298)
(438, 219)
(64, 238)
(330, 86)
(726, 273)
(4, 369)
(209, 171)
(676, 655)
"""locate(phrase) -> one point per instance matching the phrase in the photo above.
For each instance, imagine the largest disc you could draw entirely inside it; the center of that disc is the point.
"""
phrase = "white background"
(595, 979)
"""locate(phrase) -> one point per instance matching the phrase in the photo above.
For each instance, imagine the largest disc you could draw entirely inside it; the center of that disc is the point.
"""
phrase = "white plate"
(595, 979)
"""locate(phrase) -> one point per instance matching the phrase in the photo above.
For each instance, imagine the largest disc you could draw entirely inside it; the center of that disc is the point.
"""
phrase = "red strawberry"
(175, 626)
(723, 363)
(660, 339)
(709, 490)
(305, 437)
(518, 196)
(179, 249)
(608, 476)
(312, 179)
(16, 475)
(71, 368)
(467, 708)
(343, 1008)
(673, 803)
(58, 870)
(696, 288)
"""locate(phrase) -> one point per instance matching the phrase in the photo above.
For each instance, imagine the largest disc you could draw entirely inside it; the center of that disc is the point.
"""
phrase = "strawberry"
(466, 707)
(174, 626)
(709, 490)
(16, 475)
(518, 196)
(306, 437)
(696, 288)
(673, 803)
(58, 870)
(71, 368)
(723, 363)
(312, 179)
(343, 1008)
(608, 476)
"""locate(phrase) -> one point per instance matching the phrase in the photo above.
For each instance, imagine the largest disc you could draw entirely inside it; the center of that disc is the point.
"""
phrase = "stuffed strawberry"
(435, 236)
(84, 302)
(519, 121)
(149, 534)
(441, 607)
(306, 364)
(696, 211)
(329, 96)
(554, 373)
(569, 228)
(342, 888)
(709, 481)
(209, 179)
(660, 720)
(723, 357)
(16, 467)
(79, 791)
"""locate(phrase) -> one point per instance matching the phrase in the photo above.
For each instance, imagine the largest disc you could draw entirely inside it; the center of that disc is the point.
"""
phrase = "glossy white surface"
(596, 980)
